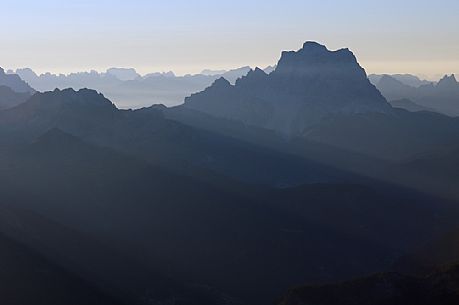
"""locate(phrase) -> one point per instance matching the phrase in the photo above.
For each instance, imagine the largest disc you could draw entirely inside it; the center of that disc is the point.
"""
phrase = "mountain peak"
(313, 45)
(253, 78)
(306, 86)
(256, 74)
(84, 92)
(81, 99)
(448, 82)
(447, 77)
(221, 83)
(258, 71)
(314, 59)
(14, 82)
(123, 74)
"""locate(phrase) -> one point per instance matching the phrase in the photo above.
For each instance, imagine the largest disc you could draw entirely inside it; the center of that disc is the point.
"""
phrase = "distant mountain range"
(407, 79)
(442, 97)
(305, 174)
(128, 89)
(14, 82)
(409, 105)
(323, 96)
(123, 74)
(13, 90)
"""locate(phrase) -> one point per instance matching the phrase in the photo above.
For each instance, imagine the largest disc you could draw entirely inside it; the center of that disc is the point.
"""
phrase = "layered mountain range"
(127, 88)
(10, 98)
(87, 148)
(303, 175)
(407, 79)
(13, 90)
(14, 82)
(442, 97)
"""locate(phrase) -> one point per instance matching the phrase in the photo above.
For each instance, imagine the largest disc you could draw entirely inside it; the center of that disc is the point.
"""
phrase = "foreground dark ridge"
(382, 289)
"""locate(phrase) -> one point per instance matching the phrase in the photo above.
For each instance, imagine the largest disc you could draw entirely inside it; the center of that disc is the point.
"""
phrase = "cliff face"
(306, 86)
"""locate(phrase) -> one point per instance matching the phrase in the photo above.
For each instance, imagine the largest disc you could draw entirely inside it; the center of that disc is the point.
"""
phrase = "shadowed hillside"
(382, 289)
(29, 278)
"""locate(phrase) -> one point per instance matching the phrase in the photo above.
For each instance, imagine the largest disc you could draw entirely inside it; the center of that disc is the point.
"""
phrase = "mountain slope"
(148, 134)
(394, 89)
(325, 96)
(409, 105)
(97, 263)
(29, 278)
(382, 289)
(274, 238)
(407, 79)
(14, 82)
(220, 235)
(443, 97)
(305, 87)
(10, 98)
(399, 136)
(372, 144)
(127, 89)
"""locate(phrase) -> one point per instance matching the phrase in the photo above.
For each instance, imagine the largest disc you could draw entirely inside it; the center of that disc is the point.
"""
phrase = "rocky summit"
(306, 87)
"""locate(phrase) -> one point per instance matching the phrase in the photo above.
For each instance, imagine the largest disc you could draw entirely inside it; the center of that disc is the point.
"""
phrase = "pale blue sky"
(389, 36)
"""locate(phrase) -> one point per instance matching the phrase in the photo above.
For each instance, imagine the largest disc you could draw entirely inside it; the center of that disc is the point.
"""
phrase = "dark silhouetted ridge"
(221, 83)
(382, 289)
(14, 82)
(448, 82)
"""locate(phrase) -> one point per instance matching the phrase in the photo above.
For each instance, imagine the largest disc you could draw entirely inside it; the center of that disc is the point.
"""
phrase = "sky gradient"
(420, 37)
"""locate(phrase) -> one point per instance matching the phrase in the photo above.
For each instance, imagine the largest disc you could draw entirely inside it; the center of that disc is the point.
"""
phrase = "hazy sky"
(388, 36)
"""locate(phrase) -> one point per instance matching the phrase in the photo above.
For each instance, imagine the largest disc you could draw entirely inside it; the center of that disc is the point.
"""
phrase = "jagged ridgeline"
(300, 176)
(306, 86)
(442, 97)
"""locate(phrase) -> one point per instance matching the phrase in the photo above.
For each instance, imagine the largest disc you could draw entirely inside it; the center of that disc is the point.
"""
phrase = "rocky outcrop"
(306, 86)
